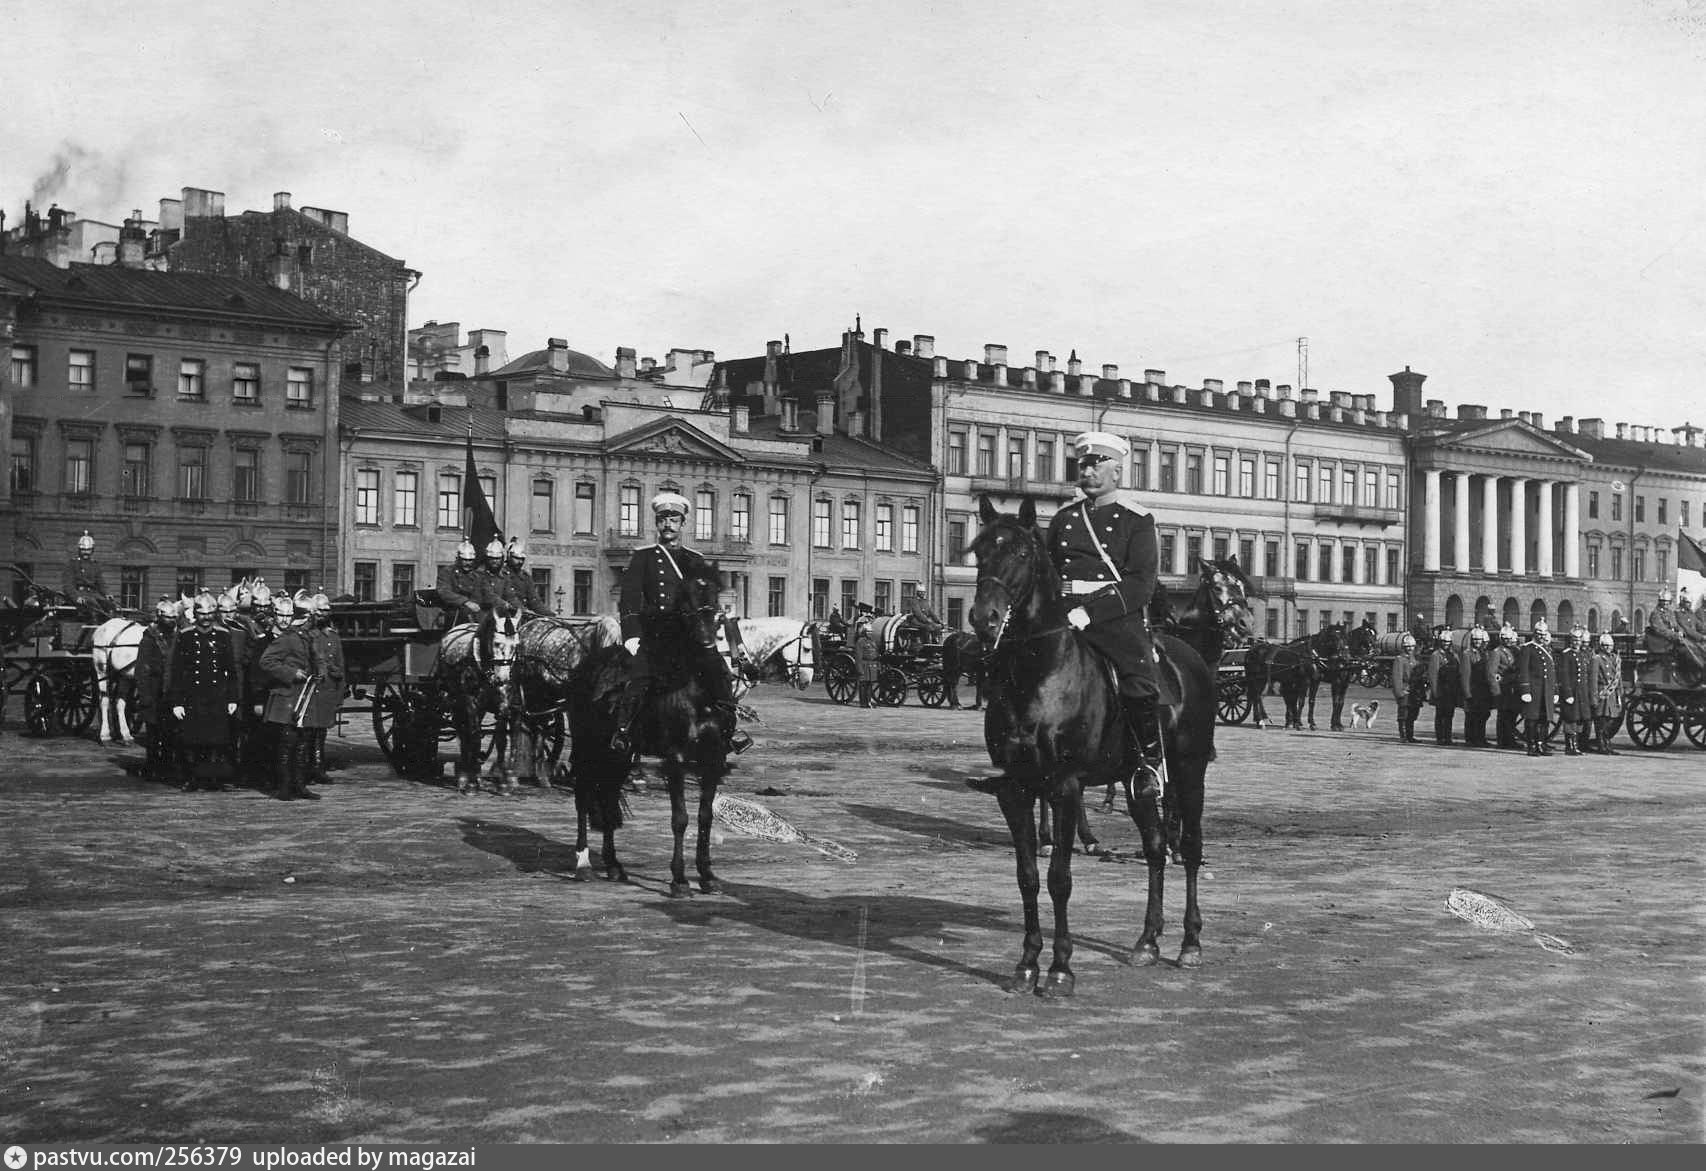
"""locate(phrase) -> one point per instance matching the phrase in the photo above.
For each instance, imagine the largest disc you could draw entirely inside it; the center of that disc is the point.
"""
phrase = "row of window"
(193, 479)
(1181, 468)
(882, 596)
(1641, 509)
(81, 375)
(1637, 564)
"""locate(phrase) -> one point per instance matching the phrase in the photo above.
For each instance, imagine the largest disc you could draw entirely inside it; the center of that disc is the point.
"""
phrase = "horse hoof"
(1059, 985)
(1045, 851)
(1024, 979)
(580, 875)
(1144, 955)
(680, 890)
(1190, 957)
(710, 886)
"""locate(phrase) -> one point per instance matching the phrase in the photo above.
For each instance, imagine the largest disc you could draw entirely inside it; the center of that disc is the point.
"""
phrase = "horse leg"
(1068, 811)
(1189, 790)
(580, 869)
(1017, 808)
(709, 778)
(675, 779)
(1341, 685)
(468, 752)
(1145, 808)
(1314, 690)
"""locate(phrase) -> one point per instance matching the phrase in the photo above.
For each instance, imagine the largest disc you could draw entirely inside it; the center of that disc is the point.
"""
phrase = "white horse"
(781, 649)
(113, 648)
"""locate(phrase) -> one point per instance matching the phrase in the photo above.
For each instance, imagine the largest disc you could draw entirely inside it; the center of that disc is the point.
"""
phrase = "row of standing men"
(1580, 688)
(240, 695)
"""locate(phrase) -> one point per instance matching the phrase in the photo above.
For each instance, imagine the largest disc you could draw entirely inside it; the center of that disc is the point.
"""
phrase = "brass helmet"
(1541, 633)
(1605, 643)
(1507, 634)
(495, 549)
(227, 603)
(85, 543)
(1478, 636)
(465, 553)
(166, 608)
(261, 595)
(1408, 642)
(322, 604)
(515, 552)
(1578, 635)
(204, 604)
(283, 606)
(302, 605)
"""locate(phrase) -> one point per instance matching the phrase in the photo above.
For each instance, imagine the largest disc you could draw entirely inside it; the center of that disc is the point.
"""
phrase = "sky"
(1507, 197)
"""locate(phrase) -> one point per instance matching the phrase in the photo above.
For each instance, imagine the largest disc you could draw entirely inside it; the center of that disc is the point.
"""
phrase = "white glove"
(230, 709)
(1527, 698)
(178, 712)
(632, 646)
(1078, 617)
(1569, 699)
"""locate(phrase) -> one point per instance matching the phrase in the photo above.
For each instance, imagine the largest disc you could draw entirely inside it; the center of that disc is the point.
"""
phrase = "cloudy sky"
(1506, 196)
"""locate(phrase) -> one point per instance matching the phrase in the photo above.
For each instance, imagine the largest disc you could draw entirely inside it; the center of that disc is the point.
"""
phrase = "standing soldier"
(1537, 676)
(865, 657)
(1477, 689)
(242, 634)
(1502, 679)
(1577, 682)
(263, 737)
(651, 586)
(1409, 683)
(290, 668)
(202, 687)
(1608, 699)
(149, 678)
(328, 653)
(520, 590)
(86, 584)
(459, 587)
(1444, 685)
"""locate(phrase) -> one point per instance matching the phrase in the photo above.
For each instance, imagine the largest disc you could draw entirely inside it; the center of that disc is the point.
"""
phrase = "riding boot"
(627, 711)
(317, 759)
(300, 763)
(284, 786)
(1143, 717)
(1570, 748)
(1604, 740)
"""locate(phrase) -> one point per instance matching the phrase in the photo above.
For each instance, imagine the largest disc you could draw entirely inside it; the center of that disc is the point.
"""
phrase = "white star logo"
(16, 1158)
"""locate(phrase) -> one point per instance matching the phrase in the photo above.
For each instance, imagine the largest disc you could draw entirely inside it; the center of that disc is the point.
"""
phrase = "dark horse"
(473, 674)
(962, 655)
(1054, 724)
(1299, 667)
(679, 723)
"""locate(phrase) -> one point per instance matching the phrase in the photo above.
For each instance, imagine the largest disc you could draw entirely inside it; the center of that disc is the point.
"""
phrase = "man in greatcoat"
(1502, 681)
(1477, 690)
(289, 667)
(148, 678)
(261, 763)
(85, 583)
(1578, 680)
(242, 632)
(461, 586)
(652, 586)
(1409, 686)
(1608, 695)
(1104, 546)
(328, 652)
(1537, 676)
(519, 589)
(201, 687)
(866, 659)
(1445, 687)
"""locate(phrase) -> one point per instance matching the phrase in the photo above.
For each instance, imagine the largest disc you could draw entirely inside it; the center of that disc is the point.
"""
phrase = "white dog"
(1363, 714)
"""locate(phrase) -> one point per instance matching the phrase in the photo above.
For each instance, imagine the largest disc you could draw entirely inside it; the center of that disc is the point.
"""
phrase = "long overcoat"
(1578, 682)
(149, 674)
(327, 650)
(288, 667)
(1608, 677)
(202, 678)
(1537, 679)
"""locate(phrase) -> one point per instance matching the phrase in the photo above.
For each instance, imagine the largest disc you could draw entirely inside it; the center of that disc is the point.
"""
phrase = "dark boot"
(864, 694)
(627, 711)
(1143, 717)
(1605, 747)
(284, 785)
(1570, 748)
(300, 763)
(316, 748)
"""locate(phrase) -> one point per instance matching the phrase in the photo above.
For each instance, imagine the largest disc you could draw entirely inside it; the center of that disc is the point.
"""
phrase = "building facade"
(187, 422)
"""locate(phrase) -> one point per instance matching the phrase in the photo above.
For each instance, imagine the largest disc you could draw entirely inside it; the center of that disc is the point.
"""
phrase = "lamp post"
(559, 608)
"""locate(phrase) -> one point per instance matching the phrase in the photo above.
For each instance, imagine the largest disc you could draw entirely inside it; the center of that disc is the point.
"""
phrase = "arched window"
(1618, 626)
(1537, 613)
(1513, 613)
(1593, 619)
(1484, 611)
(1640, 623)
(1454, 612)
(1566, 617)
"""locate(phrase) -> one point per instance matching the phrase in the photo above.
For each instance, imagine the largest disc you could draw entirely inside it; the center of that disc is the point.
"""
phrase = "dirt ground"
(397, 963)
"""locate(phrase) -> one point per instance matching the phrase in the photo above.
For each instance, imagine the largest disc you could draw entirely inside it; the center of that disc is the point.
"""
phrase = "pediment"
(1509, 437)
(674, 438)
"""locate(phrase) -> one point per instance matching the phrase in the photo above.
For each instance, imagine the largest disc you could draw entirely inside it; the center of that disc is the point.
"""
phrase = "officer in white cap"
(650, 587)
(1104, 545)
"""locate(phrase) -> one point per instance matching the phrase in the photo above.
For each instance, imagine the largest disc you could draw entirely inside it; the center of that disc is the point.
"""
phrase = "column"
(1519, 526)
(1490, 524)
(1430, 520)
(1543, 530)
(1573, 531)
(1460, 516)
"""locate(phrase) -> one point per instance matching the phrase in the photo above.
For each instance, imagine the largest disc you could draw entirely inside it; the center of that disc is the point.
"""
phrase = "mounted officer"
(202, 686)
(1502, 681)
(1103, 544)
(1477, 689)
(461, 586)
(1537, 676)
(518, 587)
(85, 583)
(651, 586)
(148, 678)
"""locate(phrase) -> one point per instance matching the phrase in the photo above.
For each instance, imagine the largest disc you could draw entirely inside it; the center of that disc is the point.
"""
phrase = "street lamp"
(559, 609)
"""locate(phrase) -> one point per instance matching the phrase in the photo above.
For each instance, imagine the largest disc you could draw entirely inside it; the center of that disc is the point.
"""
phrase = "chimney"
(740, 417)
(1380, 419)
(1287, 408)
(1407, 392)
(1179, 394)
(557, 355)
(1471, 411)
(1308, 394)
(647, 365)
(200, 203)
(999, 370)
(856, 424)
(1688, 435)
(880, 338)
(482, 361)
(132, 241)
(1250, 388)
(1214, 385)
(281, 201)
(338, 221)
(790, 415)
(1073, 366)
(281, 266)
(923, 345)
(1506, 413)
(1028, 377)
(1045, 361)
(940, 365)
(1623, 431)
(1233, 402)
(626, 366)
(1522, 416)
(904, 349)
(1566, 425)
(171, 215)
(1057, 381)
(1110, 372)
(1436, 408)
(994, 355)
(826, 412)
(1205, 397)
(1155, 377)
(1125, 388)
(1263, 386)
(1537, 420)
(1339, 398)
(1593, 428)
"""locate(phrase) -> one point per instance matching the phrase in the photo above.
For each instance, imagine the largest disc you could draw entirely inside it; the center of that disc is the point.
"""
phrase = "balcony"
(1359, 514)
(619, 546)
(1016, 486)
(1275, 588)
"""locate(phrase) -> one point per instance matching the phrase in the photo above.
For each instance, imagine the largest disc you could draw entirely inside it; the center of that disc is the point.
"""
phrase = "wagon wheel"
(932, 691)
(841, 678)
(79, 704)
(1232, 701)
(388, 713)
(891, 687)
(1368, 675)
(1694, 719)
(40, 700)
(1653, 720)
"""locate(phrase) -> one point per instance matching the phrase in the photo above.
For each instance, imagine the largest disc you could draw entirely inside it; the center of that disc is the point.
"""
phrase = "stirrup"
(739, 742)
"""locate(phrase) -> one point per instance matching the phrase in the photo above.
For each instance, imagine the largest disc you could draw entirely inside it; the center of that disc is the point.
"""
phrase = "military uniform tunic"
(1116, 609)
(326, 649)
(461, 591)
(650, 586)
(202, 678)
(1608, 677)
(288, 666)
(149, 675)
(1537, 678)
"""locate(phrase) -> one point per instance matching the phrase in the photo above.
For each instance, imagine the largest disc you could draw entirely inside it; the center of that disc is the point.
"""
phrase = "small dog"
(1363, 714)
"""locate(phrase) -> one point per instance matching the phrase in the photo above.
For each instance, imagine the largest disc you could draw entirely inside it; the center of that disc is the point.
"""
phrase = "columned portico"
(1489, 524)
(1519, 526)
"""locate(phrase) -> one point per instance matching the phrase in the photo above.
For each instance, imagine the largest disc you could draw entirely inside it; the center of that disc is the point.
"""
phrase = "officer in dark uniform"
(1578, 682)
(1537, 675)
(650, 586)
(289, 667)
(1445, 688)
(1104, 546)
(148, 678)
(326, 647)
(1409, 685)
(460, 587)
(494, 579)
(86, 584)
(519, 588)
(1477, 689)
(202, 687)
(1502, 681)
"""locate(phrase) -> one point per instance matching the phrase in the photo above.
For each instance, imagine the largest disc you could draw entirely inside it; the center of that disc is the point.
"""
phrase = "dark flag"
(477, 519)
(1689, 554)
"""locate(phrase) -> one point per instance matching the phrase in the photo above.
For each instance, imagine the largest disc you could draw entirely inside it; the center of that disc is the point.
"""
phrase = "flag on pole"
(477, 519)
(1690, 567)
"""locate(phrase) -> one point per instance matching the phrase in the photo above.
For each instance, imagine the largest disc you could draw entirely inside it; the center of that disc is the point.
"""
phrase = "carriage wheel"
(40, 699)
(387, 714)
(1368, 675)
(932, 691)
(1653, 720)
(1694, 720)
(1232, 701)
(78, 708)
(891, 687)
(841, 679)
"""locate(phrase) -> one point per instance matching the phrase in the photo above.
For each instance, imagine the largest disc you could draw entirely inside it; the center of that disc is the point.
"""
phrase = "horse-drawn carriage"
(1663, 694)
(906, 661)
(49, 665)
(1231, 696)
